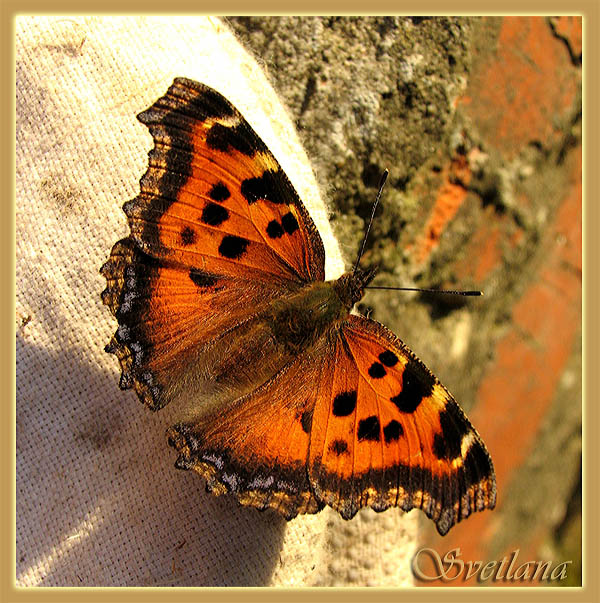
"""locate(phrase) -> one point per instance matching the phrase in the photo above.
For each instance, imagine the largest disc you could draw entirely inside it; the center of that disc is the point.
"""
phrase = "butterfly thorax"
(350, 287)
(300, 319)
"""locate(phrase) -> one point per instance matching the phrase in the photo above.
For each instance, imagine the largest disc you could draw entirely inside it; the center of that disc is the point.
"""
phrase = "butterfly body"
(282, 396)
(298, 321)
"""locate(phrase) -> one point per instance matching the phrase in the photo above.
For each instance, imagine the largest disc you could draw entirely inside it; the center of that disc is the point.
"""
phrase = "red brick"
(518, 92)
(449, 198)
(484, 250)
(569, 28)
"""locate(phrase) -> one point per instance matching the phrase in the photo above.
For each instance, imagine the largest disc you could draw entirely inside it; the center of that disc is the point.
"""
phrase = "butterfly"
(284, 397)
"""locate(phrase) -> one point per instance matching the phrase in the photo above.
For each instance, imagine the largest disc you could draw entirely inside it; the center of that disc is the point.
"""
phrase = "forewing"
(214, 198)
(217, 232)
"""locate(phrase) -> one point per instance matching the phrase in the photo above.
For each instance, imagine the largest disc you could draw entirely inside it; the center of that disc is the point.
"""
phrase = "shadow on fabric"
(98, 500)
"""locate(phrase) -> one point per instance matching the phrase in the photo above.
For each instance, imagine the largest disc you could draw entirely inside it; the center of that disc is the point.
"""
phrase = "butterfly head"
(350, 287)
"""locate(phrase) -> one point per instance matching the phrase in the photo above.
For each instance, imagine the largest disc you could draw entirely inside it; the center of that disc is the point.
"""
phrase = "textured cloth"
(99, 502)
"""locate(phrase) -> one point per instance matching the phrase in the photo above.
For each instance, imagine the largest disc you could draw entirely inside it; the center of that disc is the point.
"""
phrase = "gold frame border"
(590, 11)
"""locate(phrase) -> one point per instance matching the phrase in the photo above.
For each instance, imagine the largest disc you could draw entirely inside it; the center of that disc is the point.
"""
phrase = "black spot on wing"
(439, 447)
(289, 223)
(478, 457)
(274, 229)
(447, 445)
(169, 119)
(306, 420)
(219, 192)
(202, 279)
(272, 186)
(377, 371)
(240, 137)
(344, 404)
(338, 447)
(188, 236)
(388, 358)
(368, 429)
(417, 383)
(392, 431)
(214, 215)
(233, 247)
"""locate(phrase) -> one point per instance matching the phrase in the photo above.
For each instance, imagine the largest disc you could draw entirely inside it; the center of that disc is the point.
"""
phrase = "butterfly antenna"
(364, 242)
(447, 291)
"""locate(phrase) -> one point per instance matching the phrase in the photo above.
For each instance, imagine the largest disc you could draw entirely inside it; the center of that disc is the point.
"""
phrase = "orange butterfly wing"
(214, 197)
(216, 231)
(386, 433)
(256, 447)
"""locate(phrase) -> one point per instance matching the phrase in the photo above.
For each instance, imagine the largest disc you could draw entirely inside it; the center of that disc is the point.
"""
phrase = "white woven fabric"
(99, 501)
